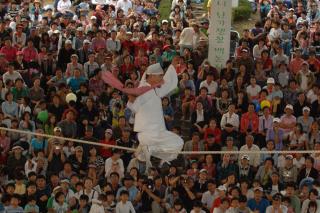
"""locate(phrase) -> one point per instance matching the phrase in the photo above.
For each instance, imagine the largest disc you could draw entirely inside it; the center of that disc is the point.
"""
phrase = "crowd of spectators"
(267, 97)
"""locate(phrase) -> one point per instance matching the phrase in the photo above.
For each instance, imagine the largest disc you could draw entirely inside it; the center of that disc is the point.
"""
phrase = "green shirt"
(168, 55)
(19, 93)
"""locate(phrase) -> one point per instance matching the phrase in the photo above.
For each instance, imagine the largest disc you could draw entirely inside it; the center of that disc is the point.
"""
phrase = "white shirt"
(100, 2)
(125, 5)
(148, 107)
(304, 81)
(125, 207)
(257, 51)
(13, 77)
(253, 91)
(255, 157)
(200, 116)
(64, 6)
(270, 209)
(96, 208)
(311, 96)
(212, 87)
(208, 198)
(108, 166)
(187, 36)
(231, 119)
(304, 207)
(113, 45)
(92, 195)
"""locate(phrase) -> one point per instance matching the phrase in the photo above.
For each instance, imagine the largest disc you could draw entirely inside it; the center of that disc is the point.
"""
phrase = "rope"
(169, 152)
(67, 139)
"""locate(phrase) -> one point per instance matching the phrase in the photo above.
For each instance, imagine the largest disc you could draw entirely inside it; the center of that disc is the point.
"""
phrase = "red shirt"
(216, 132)
(246, 119)
(30, 54)
(140, 45)
(127, 45)
(267, 63)
(9, 52)
(104, 151)
(315, 63)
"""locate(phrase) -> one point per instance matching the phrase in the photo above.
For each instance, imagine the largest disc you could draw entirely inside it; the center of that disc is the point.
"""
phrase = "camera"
(148, 183)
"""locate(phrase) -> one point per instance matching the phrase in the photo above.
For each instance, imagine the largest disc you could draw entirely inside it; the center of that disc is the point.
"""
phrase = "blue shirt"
(261, 206)
(38, 145)
(11, 209)
(133, 191)
(74, 83)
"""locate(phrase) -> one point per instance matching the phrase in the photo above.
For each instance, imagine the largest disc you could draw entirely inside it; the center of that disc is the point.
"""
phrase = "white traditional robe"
(153, 136)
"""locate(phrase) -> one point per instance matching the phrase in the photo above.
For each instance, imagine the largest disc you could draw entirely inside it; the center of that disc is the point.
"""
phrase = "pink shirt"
(288, 120)
(97, 44)
(295, 65)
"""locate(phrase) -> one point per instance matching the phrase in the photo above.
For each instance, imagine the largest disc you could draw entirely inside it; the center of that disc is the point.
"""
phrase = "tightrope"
(182, 152)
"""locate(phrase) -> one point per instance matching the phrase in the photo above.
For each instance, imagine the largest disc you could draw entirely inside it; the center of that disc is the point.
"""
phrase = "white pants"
(159, 144)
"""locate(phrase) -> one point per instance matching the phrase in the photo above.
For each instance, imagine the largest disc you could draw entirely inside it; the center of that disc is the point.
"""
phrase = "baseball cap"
(306, 109)
(86, 41)
(277, 120)
(245, 157)
(289, 106)
(203, 170)
(289, 157)
(78, 148)
(68, 42)
(17, 147)
(93, 17)
(65, 181)
(259, 188)
(222, 188)
(80, 29)
(244, 50)
(57, 129)
(165, 21)
(270, 81)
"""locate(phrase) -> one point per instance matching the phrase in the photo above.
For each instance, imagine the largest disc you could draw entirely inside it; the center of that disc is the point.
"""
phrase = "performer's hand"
(131, 98)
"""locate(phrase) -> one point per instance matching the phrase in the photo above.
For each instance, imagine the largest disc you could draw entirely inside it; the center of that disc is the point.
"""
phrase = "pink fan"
(110, 79)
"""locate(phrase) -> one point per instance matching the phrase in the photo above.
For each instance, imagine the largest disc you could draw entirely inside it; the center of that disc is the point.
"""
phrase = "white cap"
(277, 120)
(80, 29)
(68, 42)
(270, 81)
(86, 41)
(93, 17)
(245, 157)
(65, 181)
(56, 32)
(289, 106)
(164, 21)
(154, 69)
(290, 157)
(306, 109)
(258, 188)
(17, 147)
(57, 129)
(204, 170)
(222, 188)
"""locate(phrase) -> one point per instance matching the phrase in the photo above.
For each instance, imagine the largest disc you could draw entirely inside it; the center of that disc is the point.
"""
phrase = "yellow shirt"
(20, 189)
(209, 4)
